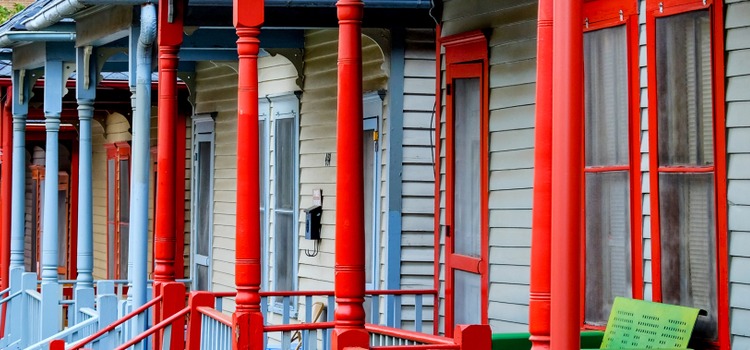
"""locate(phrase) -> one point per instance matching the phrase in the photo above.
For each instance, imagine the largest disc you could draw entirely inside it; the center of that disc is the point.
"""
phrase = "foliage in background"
(7, 13)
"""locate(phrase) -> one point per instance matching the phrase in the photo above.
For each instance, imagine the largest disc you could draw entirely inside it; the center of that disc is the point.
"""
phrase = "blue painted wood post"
(141, 155)
(107, 307)
(86, 80)
(21, 95)
(395, 174)
(51, 293)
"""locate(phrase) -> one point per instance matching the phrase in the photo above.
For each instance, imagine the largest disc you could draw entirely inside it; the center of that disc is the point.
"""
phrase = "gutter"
(59, 9)
(9, 38)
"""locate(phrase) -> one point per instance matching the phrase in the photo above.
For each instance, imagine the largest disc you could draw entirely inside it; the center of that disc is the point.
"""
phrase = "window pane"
(683, 66)
(688, 243)
(124, 250)
(124, 191)
(466, 143)
(607, 243)
(285, 145)
(284, 251)
(201, 277)
(467, 295)
(203, 198)
(62, 228)
(606, 68)
(368, 154)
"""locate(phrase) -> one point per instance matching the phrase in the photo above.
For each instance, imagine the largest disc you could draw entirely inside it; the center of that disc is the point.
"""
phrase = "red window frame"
(664, 8)
(116, 151)
(466, 57)
(602, 14)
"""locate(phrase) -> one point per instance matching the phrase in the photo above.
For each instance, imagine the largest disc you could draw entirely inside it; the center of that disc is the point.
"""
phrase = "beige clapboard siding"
(738, 128)
(99, 200)
(417, 181)
(216, 92)
(114, 128)
(317, 138)
(512, 50)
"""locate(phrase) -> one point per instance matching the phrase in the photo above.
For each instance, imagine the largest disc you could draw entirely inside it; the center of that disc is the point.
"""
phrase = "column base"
(350, 339)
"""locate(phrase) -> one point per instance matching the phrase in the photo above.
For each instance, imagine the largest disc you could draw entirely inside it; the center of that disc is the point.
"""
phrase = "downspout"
(567, 172)
(141, 157)
(539, 290)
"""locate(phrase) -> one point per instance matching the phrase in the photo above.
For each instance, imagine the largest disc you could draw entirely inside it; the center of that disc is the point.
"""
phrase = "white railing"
(73, 333)
(33, 310)
(216, 329)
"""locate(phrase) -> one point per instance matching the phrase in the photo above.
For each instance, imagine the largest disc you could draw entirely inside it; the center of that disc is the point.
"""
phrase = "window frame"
(599, 15)
(665, 8)
(203, 131)
(117, 152)
(462, 51)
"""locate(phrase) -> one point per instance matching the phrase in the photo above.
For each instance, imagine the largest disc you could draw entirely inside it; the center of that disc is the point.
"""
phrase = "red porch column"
(247, 319)
(350, 237)
(169, 40)
(539, 295)
(567, 172)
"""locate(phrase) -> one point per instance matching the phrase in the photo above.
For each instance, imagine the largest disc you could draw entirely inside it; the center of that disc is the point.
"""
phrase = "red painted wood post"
(196, 300)
(473, 337)
(174, 301)
(247, 319)
(5, 191)
(567, 172)
(169, 40)
(539, 294)
(58, 344)
(349, 279)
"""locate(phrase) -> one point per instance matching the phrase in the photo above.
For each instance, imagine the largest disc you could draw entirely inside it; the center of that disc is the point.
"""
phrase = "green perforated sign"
(638, 324)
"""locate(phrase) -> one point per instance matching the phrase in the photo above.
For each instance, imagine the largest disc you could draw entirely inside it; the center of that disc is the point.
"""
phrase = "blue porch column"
(22, 82)
(53, 87)
(21, 95)
(86, 80)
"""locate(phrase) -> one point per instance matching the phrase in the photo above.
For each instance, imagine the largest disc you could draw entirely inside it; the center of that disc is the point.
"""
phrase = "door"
(372, 108)
(202, 189)
(467, 211)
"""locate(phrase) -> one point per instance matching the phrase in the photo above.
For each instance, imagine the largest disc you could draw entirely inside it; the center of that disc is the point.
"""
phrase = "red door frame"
(602, 14)
(665, 8)
(466, 57)
(117, 151)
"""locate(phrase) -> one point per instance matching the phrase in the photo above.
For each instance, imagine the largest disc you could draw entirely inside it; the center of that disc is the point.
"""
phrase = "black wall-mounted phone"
(312, 222)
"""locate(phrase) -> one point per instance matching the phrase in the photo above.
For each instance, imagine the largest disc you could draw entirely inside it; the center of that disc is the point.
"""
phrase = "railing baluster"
(285, 317)
(418, 313)
(375, 309)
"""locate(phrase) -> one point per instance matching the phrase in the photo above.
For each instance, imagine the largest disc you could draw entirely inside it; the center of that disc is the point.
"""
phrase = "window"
(203, 181)
(279, 182)
(467, 185)
(118, 209)
(687, 176)
(612, 192)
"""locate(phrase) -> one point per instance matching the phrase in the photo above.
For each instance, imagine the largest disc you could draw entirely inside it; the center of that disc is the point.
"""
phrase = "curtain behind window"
(686, 199)
(608, 267)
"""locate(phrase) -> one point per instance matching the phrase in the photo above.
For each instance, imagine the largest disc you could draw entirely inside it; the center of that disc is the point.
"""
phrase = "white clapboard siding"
(318, 138)
(216, 92)
(738, 126)
(644, 150)
(418, 174)
(511, 102)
